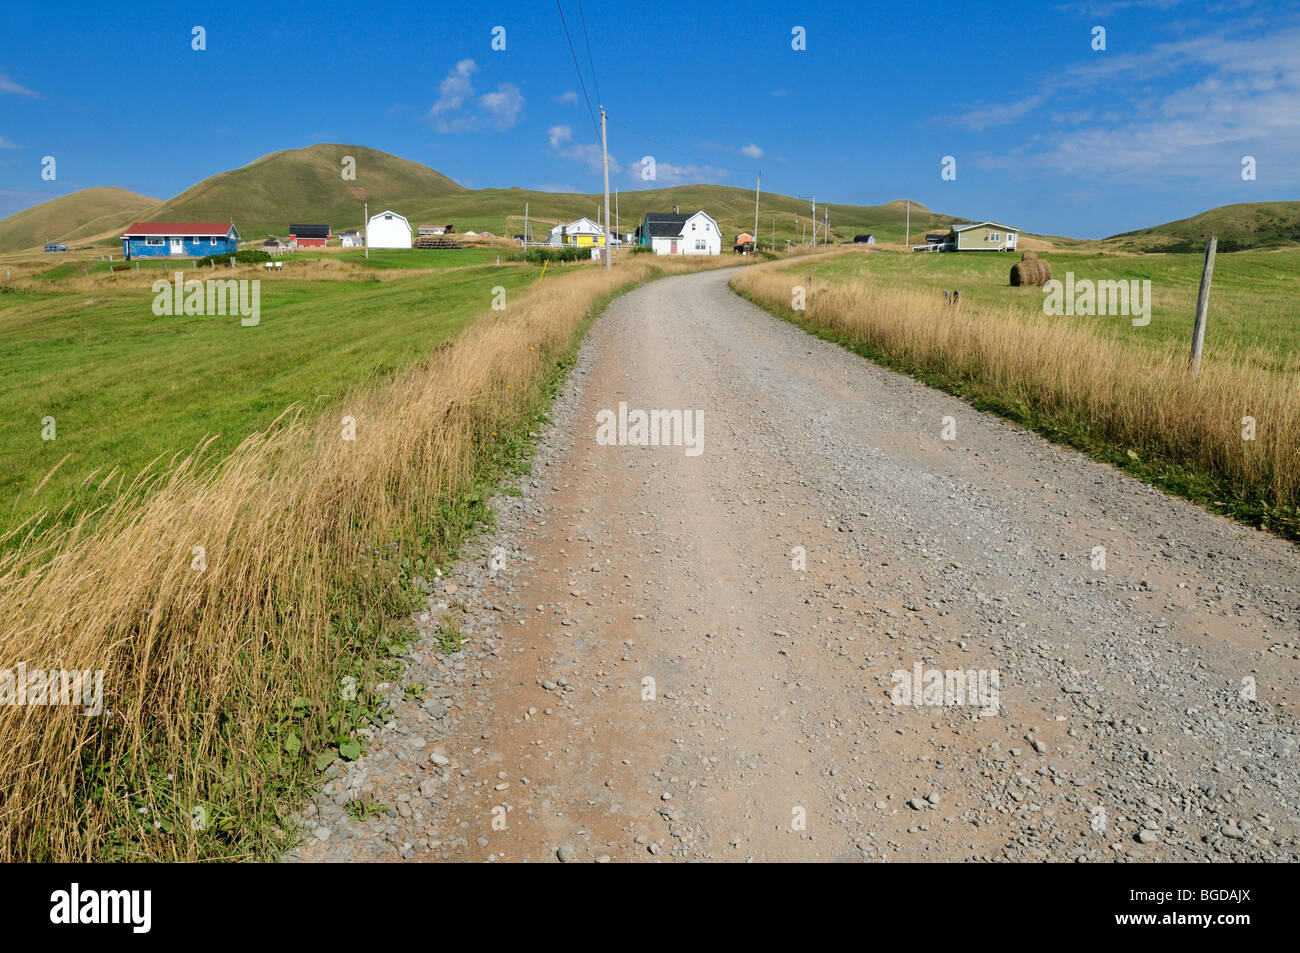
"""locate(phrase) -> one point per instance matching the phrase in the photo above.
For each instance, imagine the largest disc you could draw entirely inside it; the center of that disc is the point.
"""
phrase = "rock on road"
(1144, 710)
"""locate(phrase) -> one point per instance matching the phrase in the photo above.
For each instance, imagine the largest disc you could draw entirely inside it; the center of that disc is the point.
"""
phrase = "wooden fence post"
(1202, 306)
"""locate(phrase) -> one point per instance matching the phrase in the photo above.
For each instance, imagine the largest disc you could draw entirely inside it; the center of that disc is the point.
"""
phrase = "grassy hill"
(305, 185)
(733, 208)
(1238, 227)
(78, 216)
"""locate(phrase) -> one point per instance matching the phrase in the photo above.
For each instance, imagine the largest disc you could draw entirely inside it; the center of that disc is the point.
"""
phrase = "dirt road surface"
(1140, 711)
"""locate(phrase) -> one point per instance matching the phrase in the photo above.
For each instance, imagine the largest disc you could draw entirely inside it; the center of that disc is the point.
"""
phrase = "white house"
(584, 232)
(670, 233)
(351, 239)
(388, 230)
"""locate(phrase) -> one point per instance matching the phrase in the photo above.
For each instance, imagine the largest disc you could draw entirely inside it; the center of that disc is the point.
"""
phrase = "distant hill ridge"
(1237, 227)
(80, 216)
(309, 185)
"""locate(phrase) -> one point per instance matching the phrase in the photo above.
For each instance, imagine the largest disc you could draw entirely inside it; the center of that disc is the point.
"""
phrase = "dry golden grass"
(303, 533)
(1066, 379)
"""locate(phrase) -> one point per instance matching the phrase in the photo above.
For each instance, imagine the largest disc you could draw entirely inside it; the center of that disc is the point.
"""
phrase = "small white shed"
(388, 230)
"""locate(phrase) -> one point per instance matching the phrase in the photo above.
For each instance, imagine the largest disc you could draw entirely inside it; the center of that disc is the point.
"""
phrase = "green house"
(984, 236)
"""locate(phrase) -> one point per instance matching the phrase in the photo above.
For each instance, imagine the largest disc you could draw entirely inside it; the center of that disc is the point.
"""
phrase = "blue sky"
(1048, 134)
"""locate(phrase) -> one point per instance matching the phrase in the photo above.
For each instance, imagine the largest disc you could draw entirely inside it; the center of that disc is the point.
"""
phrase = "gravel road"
(1141, 711)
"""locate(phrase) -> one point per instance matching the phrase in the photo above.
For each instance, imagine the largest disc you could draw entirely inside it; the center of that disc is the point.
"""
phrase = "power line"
(590, 111)
(656, 141)
(594, 82)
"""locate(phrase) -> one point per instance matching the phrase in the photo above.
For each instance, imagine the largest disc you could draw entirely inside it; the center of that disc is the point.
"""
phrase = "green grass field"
(1254, 301)
(381, 259)
(125, 386)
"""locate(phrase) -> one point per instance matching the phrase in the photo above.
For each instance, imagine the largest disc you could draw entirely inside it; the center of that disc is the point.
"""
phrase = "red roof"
(179, 228)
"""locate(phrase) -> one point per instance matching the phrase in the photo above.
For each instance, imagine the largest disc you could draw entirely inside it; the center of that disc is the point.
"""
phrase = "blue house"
(179, 239)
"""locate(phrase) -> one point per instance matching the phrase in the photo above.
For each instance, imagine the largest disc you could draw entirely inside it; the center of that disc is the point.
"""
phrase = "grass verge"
(239, 612)
(1137, 409)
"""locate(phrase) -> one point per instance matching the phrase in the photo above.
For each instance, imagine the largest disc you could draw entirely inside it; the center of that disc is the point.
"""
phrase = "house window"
(212, 241)
(701, 245)
(153, 241)
(692, 226)
(995, 236)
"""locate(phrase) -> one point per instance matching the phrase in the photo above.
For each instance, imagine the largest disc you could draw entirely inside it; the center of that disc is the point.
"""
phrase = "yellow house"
(584, 233)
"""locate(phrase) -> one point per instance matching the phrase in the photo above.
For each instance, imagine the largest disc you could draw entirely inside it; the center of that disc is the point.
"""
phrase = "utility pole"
(1202, 306)
(617, 225)
(907, 236)
(365, 235)
(814, 201)
(604, 148)
(525, 226)
(757, 188)
(826, 226)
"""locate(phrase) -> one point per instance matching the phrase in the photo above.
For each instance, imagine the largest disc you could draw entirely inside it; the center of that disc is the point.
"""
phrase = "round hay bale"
(1032, 272)
(1029, 256)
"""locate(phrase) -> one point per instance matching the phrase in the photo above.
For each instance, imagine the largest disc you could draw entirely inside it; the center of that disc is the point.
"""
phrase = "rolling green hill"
(79, 216)
(733, 208)
(1238, 227)
(305, 185)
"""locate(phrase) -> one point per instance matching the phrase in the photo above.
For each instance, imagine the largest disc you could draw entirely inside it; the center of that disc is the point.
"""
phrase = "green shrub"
(538, 254)
(245, 256)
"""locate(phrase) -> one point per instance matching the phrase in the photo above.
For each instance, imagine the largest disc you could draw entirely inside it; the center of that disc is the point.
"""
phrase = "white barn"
(388, 230)
(675, 234)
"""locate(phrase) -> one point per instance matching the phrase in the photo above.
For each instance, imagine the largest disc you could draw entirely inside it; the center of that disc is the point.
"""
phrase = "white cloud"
(453, 90)
(1185, 110)
(562, 146)
(7, 85)
(998, 114)
(567, 99)
(6, 144)
(503, 106)
(753, 151)
(668, 174)
(500, 110)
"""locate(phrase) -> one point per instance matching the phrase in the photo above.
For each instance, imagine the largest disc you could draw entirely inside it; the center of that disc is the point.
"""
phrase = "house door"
(175, 247)
(673, 249)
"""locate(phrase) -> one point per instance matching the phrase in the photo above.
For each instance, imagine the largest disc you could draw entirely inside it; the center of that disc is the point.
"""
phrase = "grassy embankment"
(1118, 392)
(223, 683)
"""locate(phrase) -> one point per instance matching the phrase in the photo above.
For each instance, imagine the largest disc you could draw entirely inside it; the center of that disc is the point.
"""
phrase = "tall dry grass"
(304, 534)
(1066, 379)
